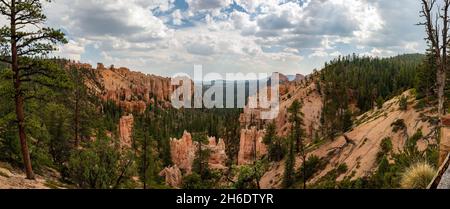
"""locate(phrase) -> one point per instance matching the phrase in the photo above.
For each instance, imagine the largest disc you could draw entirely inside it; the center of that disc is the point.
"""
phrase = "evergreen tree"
(200, 165)
(18, 43)
(273, 142)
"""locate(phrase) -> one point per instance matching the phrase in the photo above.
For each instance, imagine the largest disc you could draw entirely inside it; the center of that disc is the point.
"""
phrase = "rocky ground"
(13, 178)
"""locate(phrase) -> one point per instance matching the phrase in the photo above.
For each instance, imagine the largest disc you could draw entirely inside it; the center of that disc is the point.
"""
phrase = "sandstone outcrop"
(183, 152)
(251, 140)
(126, 131)
(133, 91)
(218, 156)
(173, 177)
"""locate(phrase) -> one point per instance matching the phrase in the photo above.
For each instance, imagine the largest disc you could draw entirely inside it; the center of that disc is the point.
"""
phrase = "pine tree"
(18, 43)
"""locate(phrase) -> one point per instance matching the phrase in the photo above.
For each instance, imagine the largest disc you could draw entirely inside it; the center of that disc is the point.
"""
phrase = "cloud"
(289, 36)
(202, 5)
(73, 50)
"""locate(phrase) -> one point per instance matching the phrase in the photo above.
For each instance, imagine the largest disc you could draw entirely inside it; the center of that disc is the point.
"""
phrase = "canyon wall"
(133, 91)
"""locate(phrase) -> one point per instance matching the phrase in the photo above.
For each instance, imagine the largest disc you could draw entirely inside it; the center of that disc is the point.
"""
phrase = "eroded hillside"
(358, 148)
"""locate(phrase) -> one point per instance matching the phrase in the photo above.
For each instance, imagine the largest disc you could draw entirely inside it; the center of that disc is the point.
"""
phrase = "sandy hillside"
(359, 148)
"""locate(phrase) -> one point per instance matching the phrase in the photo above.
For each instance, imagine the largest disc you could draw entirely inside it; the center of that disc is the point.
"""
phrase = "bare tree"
(435, 19)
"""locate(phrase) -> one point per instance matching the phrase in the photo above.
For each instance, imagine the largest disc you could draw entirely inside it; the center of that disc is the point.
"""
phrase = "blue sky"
(165, 37)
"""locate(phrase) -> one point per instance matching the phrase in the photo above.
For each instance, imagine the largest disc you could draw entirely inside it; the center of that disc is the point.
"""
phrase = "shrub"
(398, 125)
(100, 166)
(193, 181)
(403, 103)
(412, 141)
(310, 168)
(380, 102)
(342, 168)
(386, 145)
(418, 176)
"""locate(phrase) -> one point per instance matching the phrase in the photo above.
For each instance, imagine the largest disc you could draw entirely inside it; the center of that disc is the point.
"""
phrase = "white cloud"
(73, 50)
(271, 35)
(202, 5)
(177, 17)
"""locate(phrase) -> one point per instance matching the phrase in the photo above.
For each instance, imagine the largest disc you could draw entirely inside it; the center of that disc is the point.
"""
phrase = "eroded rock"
(173, 176)
(251, 140)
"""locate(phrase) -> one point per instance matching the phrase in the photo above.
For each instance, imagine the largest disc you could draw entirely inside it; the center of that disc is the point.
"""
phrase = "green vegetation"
(313, 165)
(403, 103)
(398, 125)
(274, 143)
(26, 79)
(364, 82)
(250, 175)
(296, 144)
(100, 165)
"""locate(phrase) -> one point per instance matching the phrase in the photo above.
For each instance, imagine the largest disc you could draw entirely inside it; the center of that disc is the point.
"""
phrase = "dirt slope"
(358, 150)
(11, 178)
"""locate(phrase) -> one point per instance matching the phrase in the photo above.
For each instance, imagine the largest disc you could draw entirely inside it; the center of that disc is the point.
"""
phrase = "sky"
(165, 37)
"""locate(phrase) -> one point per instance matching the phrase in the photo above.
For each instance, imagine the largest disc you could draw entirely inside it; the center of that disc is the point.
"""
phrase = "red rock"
(183, 152)
(218, 156)
(126, 131)
(446, 120)
(251, 139)
(132, 91)
(172, 175)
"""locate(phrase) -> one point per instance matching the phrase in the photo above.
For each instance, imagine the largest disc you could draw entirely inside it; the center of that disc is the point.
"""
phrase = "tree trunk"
(443, 69)
(441, 76)
(145, 160)
(19, 100)
(77, 119)
(304, 171)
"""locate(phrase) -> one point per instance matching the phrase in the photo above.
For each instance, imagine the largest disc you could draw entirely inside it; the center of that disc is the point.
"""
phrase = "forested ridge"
(352, 85)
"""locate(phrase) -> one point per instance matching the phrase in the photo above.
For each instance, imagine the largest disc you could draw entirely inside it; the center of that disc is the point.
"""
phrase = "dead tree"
(435, 19)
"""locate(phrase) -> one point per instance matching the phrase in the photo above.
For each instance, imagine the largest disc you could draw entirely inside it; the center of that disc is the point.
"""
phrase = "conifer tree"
(23, 38)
